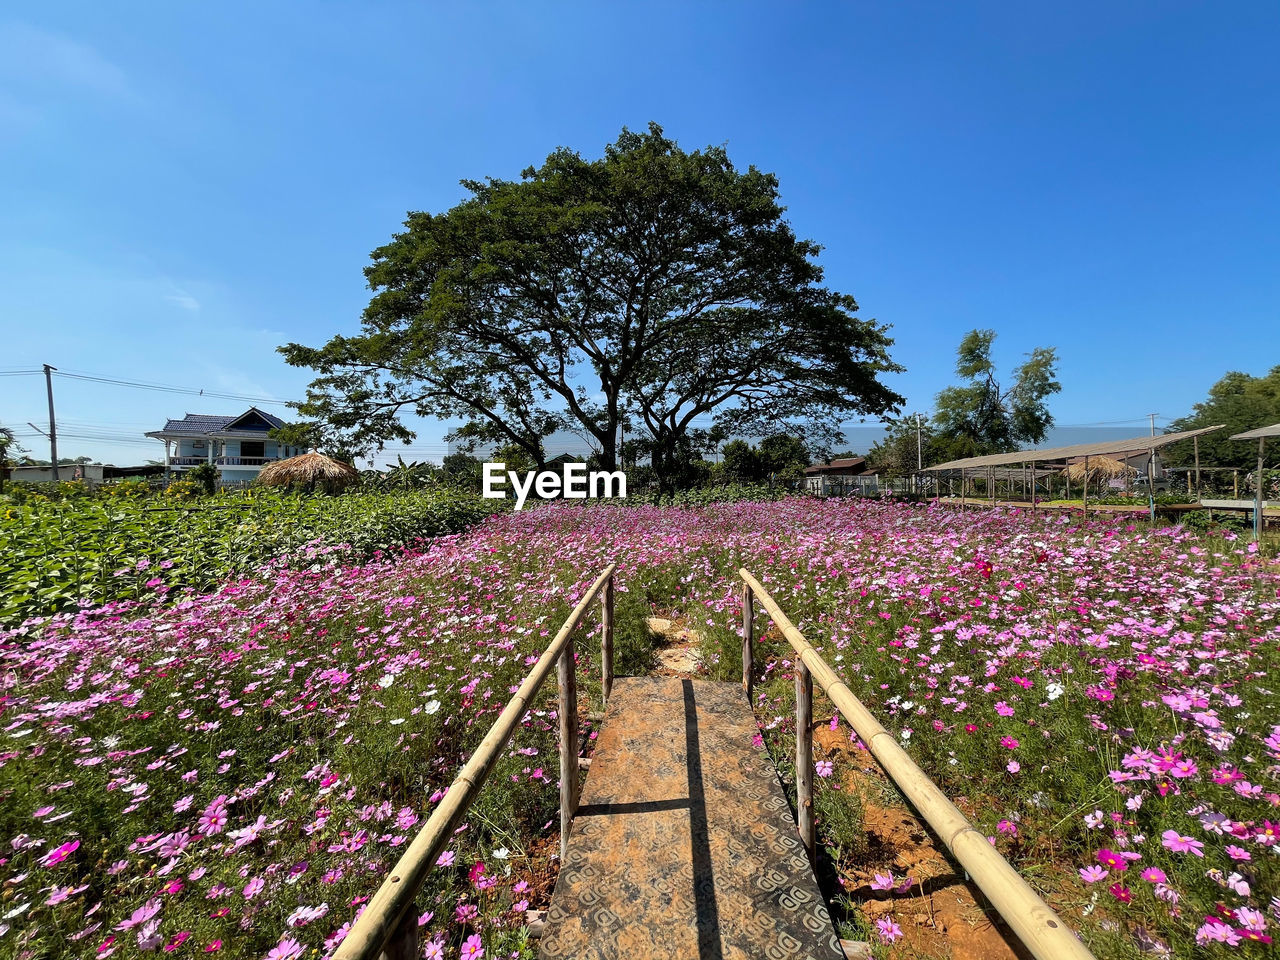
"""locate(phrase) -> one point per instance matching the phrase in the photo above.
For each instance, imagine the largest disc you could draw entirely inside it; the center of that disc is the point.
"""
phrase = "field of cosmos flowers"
(233, 773)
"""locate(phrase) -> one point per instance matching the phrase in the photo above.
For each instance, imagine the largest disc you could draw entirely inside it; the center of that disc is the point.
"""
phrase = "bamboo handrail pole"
(566, 676)
(804, 757)
(378, 921)
(748, 621)
(1033, 920)
(606, 643)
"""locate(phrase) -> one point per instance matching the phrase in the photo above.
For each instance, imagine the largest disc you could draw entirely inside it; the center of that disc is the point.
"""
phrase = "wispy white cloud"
(45, 64)
(184, 300)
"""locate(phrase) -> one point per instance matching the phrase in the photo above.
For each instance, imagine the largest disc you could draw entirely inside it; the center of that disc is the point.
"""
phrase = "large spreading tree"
(652, 284)
(1238, 401)
(981, 416)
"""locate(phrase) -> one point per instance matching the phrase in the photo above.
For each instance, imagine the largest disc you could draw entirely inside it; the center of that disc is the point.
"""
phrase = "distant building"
(238, 446)
(90, 473)
(844, 475)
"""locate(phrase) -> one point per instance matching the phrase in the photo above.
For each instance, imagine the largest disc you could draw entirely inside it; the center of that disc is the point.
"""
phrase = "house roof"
(836, 466)
(206, 424)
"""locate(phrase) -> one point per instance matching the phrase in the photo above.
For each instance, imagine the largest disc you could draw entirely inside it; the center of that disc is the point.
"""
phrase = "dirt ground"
(941, 916)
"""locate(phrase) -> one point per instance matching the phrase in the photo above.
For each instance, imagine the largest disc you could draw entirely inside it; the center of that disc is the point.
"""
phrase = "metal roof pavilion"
(1260, 433)
(1075, 450)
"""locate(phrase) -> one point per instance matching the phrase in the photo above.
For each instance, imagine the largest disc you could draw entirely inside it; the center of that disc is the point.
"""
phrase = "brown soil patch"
(678, 649)
(539, 870)
(942, 915)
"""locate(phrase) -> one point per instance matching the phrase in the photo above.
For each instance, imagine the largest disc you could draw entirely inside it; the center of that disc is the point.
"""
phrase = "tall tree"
(979, 416)
(653, 280)
(1241, 402)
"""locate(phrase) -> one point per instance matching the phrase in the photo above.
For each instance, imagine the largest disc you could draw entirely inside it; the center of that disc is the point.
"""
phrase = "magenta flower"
(59, 854)
(1112, 860)
(472, 948)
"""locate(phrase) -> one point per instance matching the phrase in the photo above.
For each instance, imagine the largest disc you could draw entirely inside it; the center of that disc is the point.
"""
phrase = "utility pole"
(1153, 423)
(53, 425)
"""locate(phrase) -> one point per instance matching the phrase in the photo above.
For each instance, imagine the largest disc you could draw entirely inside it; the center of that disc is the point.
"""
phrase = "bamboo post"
(804, 756)
(1151, 483)
(566, 676)
(1044, 934)
(372, 930)
(606, 643)
(1196, 443)
(1033, 486)
(1086, 486)
(403, 943)
(748, 642)
(1235, 484)
(1257, 499)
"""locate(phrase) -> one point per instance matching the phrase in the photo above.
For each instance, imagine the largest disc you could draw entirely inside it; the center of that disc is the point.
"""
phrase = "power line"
(169, 388)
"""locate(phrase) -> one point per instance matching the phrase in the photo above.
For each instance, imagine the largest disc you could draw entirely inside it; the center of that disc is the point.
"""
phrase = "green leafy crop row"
(58, 553)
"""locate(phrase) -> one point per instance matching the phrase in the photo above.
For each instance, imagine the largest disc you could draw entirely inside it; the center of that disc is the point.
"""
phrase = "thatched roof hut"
(1104, 468)
(310, 471)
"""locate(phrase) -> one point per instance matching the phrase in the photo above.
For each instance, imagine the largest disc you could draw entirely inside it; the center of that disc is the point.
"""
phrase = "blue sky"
(185, 186)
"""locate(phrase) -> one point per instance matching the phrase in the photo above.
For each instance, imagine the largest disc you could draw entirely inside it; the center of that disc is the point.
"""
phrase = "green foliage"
(719, 493)
(205, 477)
(1241, 403)
(653, 285)
(60, 552)
(979, 417)
(633, 651)
(838, 818)
(780, 457)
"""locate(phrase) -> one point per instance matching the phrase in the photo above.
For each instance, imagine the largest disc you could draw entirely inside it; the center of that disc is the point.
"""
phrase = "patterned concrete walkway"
(684, 845)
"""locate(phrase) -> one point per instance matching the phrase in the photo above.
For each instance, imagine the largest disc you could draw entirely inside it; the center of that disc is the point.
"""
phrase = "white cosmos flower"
(386, 681)
(431, 706)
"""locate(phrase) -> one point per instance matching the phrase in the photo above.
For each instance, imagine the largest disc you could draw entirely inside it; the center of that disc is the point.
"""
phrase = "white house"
(238, 446)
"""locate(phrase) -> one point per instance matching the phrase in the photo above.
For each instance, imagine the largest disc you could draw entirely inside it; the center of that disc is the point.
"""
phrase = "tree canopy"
(1240, 401)
(779, 457)
(652, 282)
(896, 454)
(979, 416)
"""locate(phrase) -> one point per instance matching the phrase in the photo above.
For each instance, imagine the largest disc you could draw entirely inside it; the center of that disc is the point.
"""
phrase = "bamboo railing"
(1043, 933)
(388, 927)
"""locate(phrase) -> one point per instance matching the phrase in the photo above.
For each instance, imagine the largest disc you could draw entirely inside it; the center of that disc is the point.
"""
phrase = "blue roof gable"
(252, 420)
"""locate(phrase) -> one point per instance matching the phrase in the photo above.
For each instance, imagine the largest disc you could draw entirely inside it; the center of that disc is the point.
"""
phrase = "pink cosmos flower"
(1154, 875)
(823, 768)
(1174, 841)
(286, 949)
(472, 949)
(888, 930)
(1093, 873)
(1237, 853)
